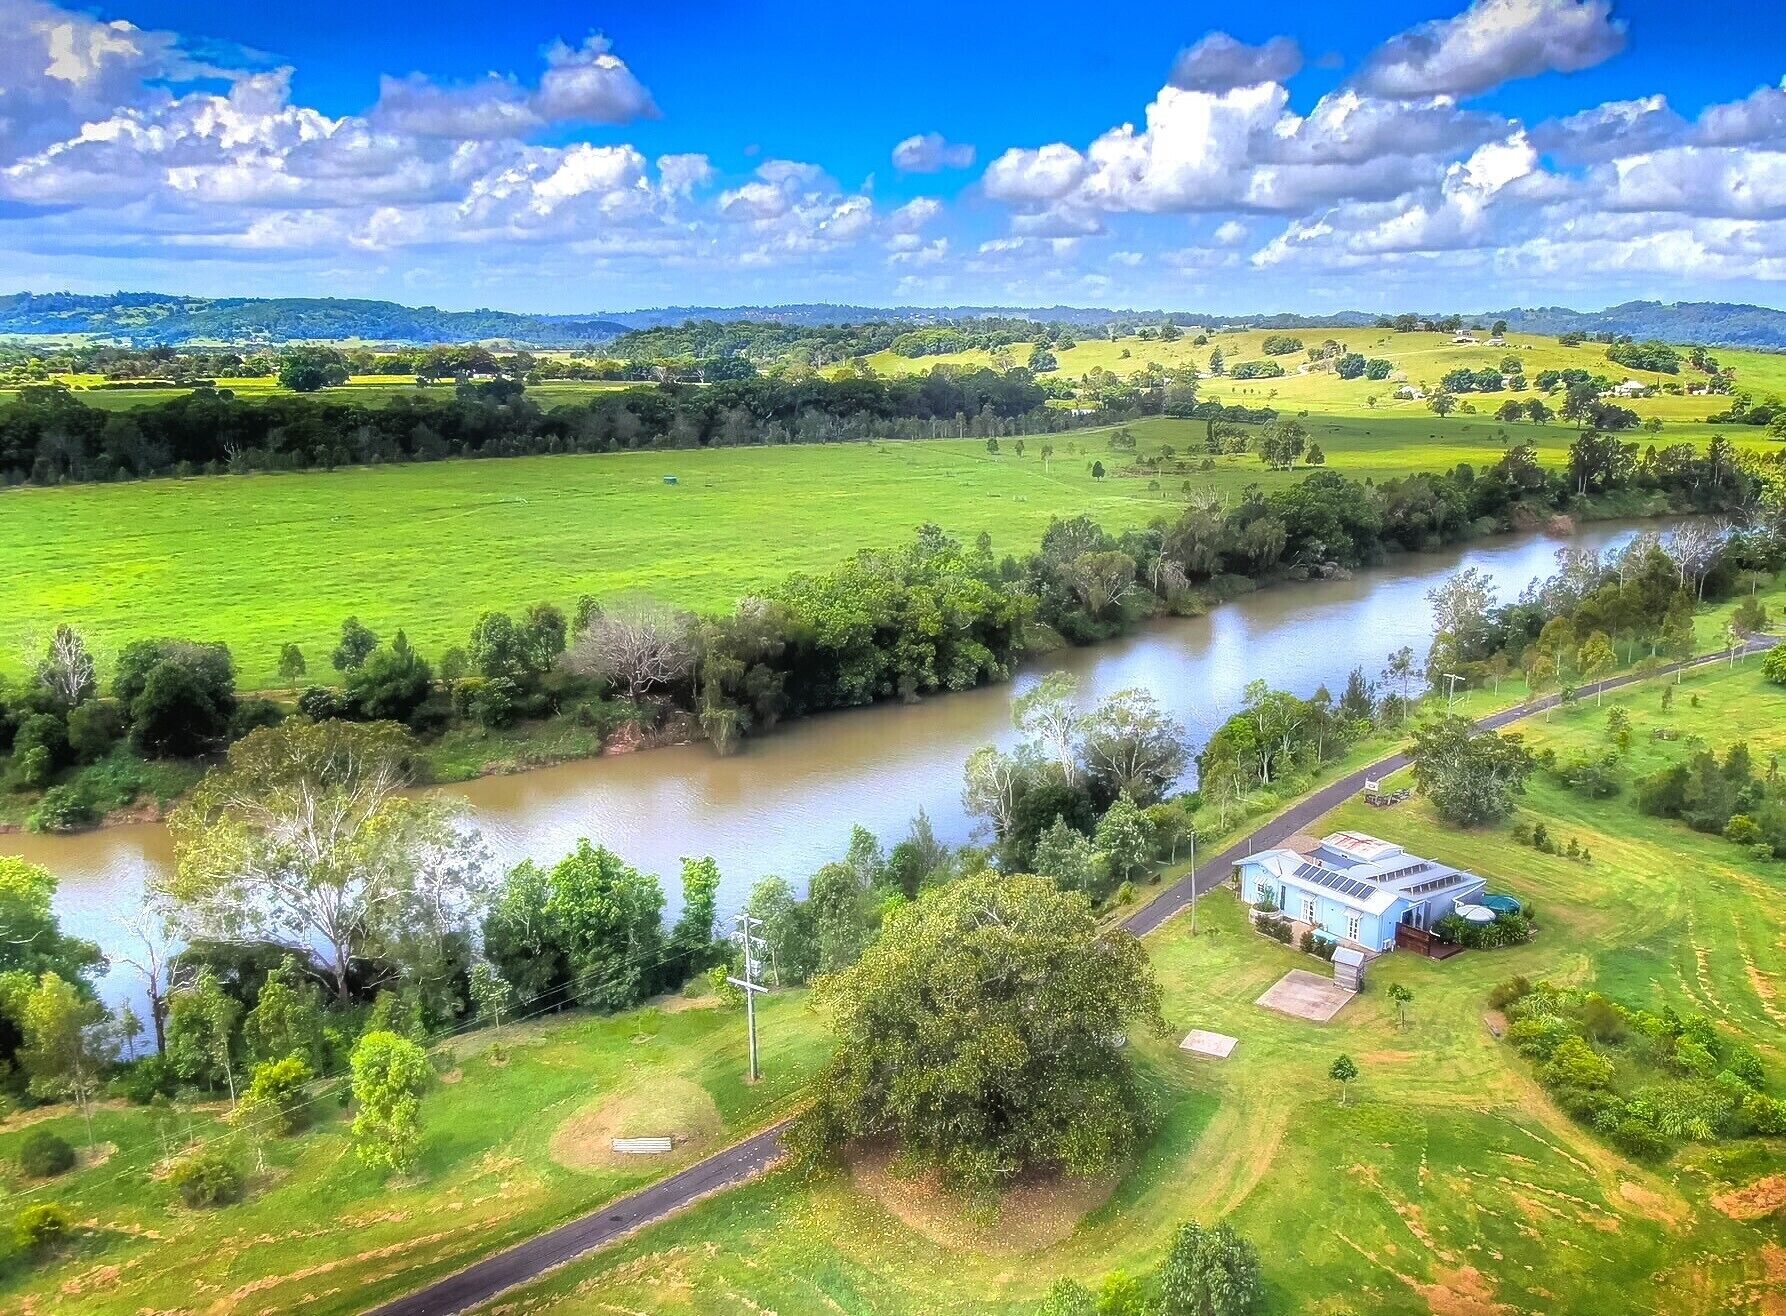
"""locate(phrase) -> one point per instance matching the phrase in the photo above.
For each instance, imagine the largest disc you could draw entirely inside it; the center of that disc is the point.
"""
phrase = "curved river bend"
(785, 803)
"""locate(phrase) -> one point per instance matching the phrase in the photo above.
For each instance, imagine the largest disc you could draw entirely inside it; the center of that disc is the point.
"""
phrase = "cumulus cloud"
(930, 153)
(582, 84)
(59, 69)
(1612, 129)
(590, 84)
(1218, 63)
(1492, 42)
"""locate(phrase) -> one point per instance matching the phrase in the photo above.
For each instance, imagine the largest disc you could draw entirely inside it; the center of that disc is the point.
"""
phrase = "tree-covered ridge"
(153, 318)
(165, 318)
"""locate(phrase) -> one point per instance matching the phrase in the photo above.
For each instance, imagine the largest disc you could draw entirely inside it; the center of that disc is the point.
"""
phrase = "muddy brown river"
(785, 803)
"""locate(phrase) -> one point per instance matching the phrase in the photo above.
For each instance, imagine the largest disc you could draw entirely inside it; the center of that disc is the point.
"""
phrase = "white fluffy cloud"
(119, 150)
(930, 153)
(1492, 42)
(582, 84)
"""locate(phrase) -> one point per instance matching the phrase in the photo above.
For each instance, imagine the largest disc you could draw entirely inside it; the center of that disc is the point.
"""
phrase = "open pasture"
(257, 561)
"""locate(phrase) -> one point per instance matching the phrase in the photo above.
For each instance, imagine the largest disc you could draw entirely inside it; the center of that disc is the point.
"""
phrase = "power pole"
(1193, 881)
(1451, 690)
(748, 984)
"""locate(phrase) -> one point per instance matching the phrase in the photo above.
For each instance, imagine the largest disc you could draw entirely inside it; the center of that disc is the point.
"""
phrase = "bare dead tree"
(1694, 547)
(149, 949)
(67, 670)
(637, 645)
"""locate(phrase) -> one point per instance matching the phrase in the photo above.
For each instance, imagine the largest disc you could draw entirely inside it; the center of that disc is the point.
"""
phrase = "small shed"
(669, 479)
(1348, 968)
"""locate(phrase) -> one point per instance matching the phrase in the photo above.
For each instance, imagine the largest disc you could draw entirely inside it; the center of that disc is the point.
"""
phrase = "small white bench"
(643, 1146)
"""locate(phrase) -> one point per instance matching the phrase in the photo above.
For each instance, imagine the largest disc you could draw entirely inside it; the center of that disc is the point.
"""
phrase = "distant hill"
(1715, 324)
(159, 318)
(155, 318)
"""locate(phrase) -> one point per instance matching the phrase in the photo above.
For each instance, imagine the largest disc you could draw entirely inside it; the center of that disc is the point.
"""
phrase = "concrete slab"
(1304, 995)
(1211, 1046)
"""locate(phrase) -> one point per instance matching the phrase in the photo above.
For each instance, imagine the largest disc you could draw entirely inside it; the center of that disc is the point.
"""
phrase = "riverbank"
(465, 752)
(1258, 1138)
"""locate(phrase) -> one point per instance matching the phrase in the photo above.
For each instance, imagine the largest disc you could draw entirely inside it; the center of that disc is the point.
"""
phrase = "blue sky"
(570, 157)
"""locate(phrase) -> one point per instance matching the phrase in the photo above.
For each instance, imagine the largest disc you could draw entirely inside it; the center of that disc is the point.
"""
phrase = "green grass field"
(257, 561)
(1449, 1184)
(515, 1145)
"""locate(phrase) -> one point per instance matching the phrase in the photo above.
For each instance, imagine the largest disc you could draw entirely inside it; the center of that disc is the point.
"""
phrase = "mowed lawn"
(517, 1138)
(1449, 1182)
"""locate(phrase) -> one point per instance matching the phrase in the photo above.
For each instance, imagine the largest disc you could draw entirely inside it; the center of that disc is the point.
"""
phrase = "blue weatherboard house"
(1357, 889)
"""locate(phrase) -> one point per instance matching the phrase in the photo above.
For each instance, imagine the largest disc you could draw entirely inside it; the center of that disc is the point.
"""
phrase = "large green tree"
(390, 1074)
(981, 1031)
(1209, 1272)
(1470, 776)
(305, 838)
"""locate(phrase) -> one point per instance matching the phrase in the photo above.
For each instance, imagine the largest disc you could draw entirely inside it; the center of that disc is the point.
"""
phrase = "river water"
(785, 803)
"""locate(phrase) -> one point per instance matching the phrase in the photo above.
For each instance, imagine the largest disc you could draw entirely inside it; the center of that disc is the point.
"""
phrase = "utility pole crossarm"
(749, 985)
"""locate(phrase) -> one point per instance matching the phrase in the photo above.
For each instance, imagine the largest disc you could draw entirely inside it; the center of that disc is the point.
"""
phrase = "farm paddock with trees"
(571, 922)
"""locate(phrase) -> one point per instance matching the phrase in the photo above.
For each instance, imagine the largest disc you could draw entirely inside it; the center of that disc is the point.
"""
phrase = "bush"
(41, 1225)
(1275, 926)
(1509, 990)
(144, 1080)
(1638, 1140)
(43, 1155)
(206, 1178)
(93, 728)
(1773, 665)
(64, 808)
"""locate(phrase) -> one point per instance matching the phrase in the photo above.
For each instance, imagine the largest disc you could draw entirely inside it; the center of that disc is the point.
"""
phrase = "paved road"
(529, 1260)
(525, 1261)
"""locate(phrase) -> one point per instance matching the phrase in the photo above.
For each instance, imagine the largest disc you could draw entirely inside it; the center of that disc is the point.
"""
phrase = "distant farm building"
(1631, 388)
(1356, 889)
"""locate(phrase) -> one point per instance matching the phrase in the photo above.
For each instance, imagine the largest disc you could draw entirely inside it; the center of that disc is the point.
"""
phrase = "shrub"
(1275, 926)
(205, 1178)
(64, 808)
(1638, 1140)
(1741, 829)
(93, 728)
(41, 1225)
(1575, 1064)
(1507, 991)
(144, 1080)
(1539, 1037)
(1773, 665)
(43, 1154)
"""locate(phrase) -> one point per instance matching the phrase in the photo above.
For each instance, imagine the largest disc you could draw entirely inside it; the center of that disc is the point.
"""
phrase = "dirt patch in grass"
(1650, 1203)
(1761, 1198)
(88, 1158)
(667, 1107)
(453, 1075)
(1461, 1292)
(1034, 1214)
(678, 1003)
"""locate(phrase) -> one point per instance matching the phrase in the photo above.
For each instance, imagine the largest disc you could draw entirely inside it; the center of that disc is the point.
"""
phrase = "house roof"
(1364, 872)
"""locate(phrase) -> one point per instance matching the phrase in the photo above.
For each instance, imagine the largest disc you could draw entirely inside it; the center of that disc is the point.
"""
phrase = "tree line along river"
(785, 803)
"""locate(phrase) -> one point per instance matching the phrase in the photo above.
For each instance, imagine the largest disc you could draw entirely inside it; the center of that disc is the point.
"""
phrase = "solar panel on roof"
(1333, 881)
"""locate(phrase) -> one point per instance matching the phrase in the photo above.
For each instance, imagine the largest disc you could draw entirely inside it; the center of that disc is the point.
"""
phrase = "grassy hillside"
(1449, 1183)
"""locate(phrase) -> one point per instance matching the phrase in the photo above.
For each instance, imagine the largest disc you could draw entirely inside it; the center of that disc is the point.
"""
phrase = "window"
(1308, 909)
(1352, 927)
